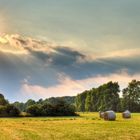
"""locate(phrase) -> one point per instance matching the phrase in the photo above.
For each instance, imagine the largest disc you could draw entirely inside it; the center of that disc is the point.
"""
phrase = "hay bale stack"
(126, 114)
(101, 114)
(110, 115)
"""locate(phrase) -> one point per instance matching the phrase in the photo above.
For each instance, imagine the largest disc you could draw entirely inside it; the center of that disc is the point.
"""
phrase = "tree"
(61, 108)
(20, 106)
(9, 111)
(3, 111)
(108, 96)
(2, 100)
(47, 110)
(88, 104)
(12, 111)
(105, 97)
(64, 109)
(80, 101)
(34, 110)
(131, 96)
(30, 102)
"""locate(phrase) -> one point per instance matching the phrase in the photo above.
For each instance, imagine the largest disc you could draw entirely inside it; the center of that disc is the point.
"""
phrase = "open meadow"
(86, 127)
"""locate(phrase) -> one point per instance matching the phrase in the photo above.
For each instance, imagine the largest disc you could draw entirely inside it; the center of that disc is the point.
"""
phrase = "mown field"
(86, 127)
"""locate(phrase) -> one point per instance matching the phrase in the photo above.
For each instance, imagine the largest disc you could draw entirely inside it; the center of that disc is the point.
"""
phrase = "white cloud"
(17, 44)
(69, 87)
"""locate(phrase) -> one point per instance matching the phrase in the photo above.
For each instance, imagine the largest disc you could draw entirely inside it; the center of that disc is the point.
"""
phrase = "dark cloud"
(132, 64)
(65, 56)
(43, 57)
(43, 63)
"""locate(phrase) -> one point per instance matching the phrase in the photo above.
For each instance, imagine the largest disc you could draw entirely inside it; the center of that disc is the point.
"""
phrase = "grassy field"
(86, 127)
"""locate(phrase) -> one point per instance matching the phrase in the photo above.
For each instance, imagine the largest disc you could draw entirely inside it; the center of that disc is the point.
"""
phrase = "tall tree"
(3, 101)
(88, 103)
(131, 96)
(80, 101)
(103, 98)
(108, 96)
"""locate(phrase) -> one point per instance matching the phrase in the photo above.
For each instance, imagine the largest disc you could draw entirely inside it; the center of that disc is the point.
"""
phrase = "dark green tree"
(80, 101)
(3, 101)
(30, 102)
(105, 97)
(131, 96)
(12, 111)
(34, 110)
(89, 102)
(20, 106)
(108, 96)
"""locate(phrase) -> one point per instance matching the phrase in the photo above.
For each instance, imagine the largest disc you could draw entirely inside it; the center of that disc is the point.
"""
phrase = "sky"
(61, 48)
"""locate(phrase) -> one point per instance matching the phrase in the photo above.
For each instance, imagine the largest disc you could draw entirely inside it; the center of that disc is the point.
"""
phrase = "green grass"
(86, 127)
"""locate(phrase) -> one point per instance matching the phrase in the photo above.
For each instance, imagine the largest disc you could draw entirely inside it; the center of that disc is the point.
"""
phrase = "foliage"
(21, 106)
(80, 101)
(9, 111)
(34, 110)
(131, 96)
(6, 109)
(2, 100)
(103, 98)
(53, 100)
(59, 109)
(12, 111)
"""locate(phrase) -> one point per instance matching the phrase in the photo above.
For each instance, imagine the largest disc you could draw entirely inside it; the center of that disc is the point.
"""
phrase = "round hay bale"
(101, 114)
(126, 114)
(110, 115)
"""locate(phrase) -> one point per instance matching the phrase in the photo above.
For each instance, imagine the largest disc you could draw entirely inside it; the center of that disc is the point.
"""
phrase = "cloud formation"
(44, 62)
(43, 50)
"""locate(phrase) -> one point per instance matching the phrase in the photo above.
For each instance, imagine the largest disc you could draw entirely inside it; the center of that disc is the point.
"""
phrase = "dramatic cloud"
(88, 42)
(43, 62)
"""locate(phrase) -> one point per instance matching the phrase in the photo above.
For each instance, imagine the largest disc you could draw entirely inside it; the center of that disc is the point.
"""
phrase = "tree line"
(49, 107)
(107, 97)
(103, 98)
(54, 106)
